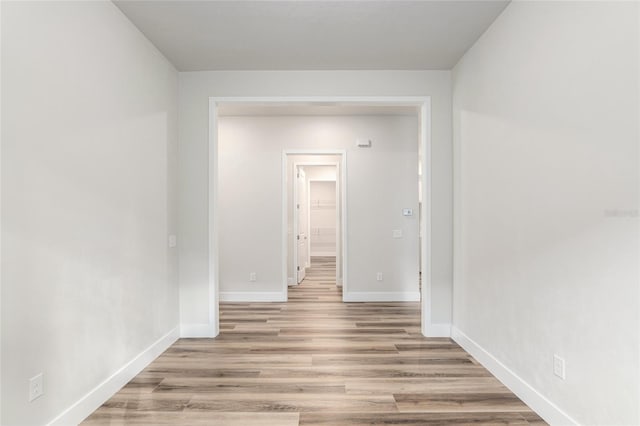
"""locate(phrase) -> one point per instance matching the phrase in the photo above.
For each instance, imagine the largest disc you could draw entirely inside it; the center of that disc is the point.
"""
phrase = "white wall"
(381, 181)
(321, 173)
(547, 179)
(196, 87)
(89, 170)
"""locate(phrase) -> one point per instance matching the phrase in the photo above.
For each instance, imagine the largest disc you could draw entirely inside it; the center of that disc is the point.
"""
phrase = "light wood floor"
(315, 361)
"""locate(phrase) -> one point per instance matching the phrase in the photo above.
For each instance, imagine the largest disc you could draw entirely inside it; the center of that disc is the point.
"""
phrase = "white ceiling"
(312, 34)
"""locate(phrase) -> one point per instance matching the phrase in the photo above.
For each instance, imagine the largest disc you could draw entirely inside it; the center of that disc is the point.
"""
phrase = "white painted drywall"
(196, 87)
(381, 181)
(321, 173)
(547, 179)
(89, 170)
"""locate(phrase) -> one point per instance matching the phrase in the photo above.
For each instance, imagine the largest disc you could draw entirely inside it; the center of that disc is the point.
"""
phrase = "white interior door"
(303, 224)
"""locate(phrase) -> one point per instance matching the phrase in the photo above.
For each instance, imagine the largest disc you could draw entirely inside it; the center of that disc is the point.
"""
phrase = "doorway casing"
(423, 102)
(341, 181)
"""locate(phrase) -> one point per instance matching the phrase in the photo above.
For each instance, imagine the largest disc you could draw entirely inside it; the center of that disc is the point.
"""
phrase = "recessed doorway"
(312, 191)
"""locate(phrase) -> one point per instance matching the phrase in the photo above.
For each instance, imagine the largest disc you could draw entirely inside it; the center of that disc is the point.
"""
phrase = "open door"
(302, 224)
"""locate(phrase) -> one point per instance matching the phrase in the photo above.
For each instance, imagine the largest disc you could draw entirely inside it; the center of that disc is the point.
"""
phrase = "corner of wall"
(96, 397)
(523, 390)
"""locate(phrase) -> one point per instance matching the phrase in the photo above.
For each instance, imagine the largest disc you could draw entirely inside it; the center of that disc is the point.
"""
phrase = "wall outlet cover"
(36, 387)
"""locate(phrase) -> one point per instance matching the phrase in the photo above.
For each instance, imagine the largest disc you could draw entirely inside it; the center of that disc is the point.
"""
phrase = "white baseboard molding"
(197, 330)
(546, 409)
(437, 330)
(105, 390)
(339, 282)
(253, 296)
(382, 296)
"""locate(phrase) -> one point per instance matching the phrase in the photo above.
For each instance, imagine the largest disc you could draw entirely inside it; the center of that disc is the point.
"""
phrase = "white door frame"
(340, 180)
(424, 102)
(297, 168)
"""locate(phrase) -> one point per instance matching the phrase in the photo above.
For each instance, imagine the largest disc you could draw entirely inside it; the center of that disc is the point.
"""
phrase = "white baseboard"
(197, 330)
(382, 296)
(105, 390)
(546, 409)
(253, 296)
(437, 330)
(339, 282)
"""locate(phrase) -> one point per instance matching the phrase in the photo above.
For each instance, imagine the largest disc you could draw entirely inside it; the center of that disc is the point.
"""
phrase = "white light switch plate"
(558, 367)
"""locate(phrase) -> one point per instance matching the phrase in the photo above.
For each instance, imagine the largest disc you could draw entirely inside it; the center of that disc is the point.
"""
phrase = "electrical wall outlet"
(379, 276)
(252, 276)
(36, 387)
(558, 366)
(173, 241)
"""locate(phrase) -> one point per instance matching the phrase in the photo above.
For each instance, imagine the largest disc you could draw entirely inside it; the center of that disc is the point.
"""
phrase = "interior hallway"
(315, 361)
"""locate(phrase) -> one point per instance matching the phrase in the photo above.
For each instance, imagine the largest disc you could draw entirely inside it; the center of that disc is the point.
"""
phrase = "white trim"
(425, 142)
(382, 296)
(438, 330)
(546, 409)
(105, 390)
(368, 100)
(214, 275)
(197, 330)
(296, 214)
(253, 296)
(341, 169)
(285, 229)
(1, 340)
(425, 218)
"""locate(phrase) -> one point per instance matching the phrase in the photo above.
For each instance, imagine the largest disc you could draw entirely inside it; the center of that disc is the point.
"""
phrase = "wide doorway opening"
(243, 271)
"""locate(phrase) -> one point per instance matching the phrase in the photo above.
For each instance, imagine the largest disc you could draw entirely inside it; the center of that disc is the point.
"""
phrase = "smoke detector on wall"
(363, 143)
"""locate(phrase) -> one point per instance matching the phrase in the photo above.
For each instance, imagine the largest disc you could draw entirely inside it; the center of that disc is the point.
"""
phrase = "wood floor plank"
(315, 361)
(463, 402)
(292, 403)
(410, 419)
(128, 417)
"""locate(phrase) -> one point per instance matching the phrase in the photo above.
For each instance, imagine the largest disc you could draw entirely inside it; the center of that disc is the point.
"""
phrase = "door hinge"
(298, 236)
(298, 206)
(298, 268)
